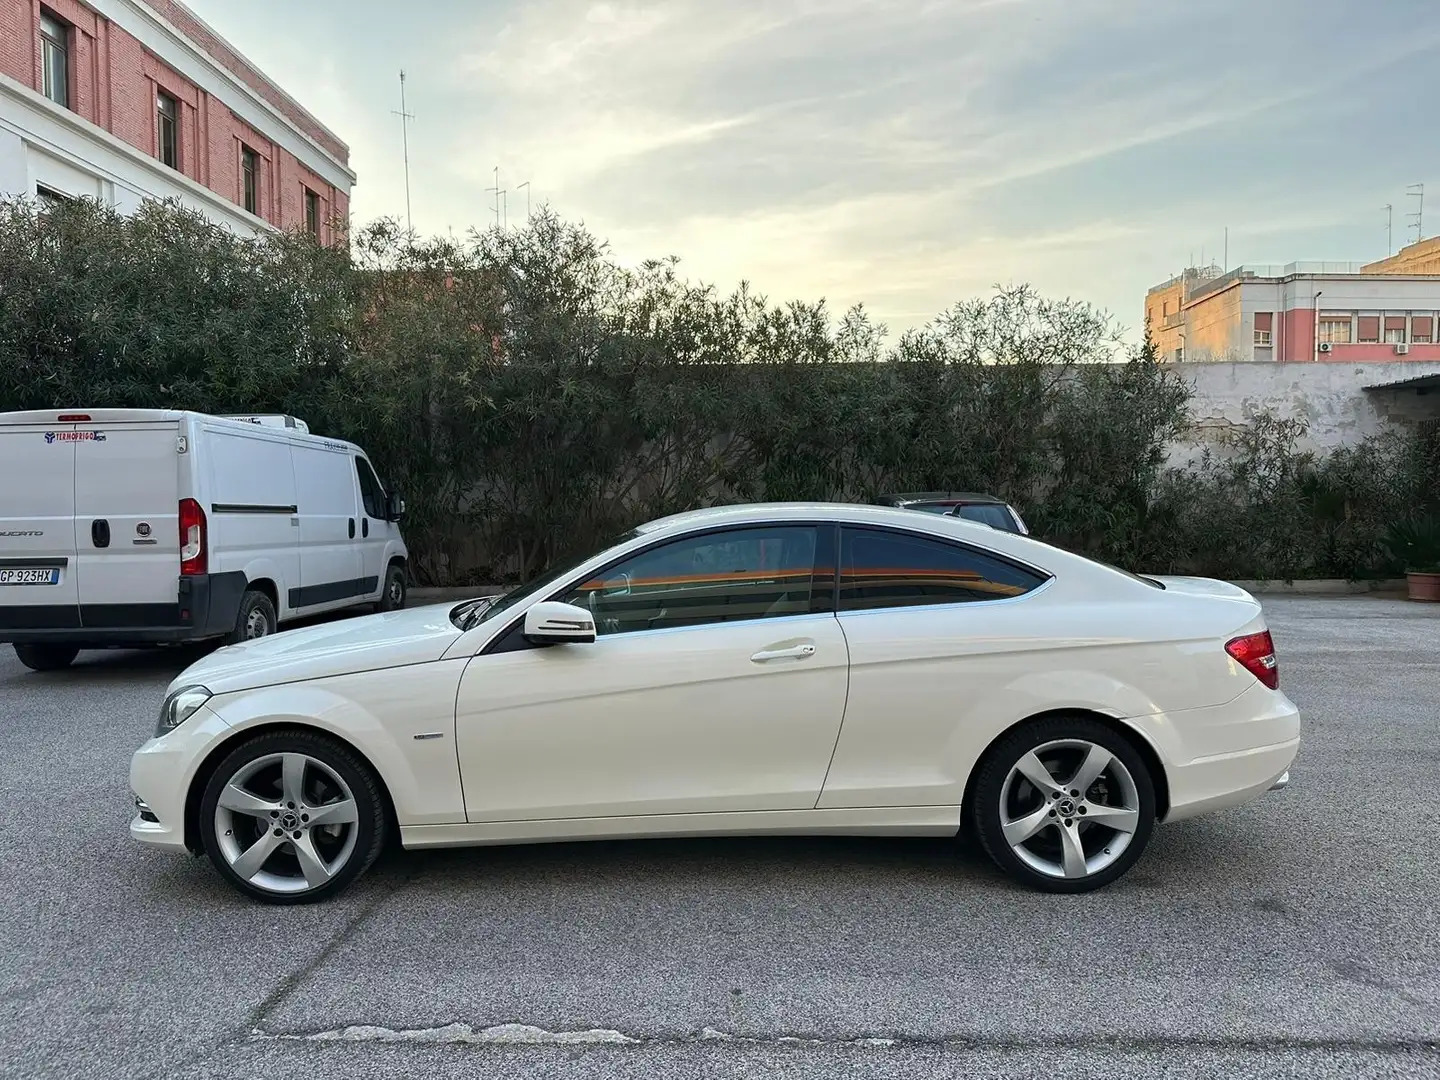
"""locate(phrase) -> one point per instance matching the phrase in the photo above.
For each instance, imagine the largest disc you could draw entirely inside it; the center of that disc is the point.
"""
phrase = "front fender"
(401, 705)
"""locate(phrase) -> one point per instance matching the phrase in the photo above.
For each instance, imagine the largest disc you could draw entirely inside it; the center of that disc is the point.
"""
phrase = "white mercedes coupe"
(770, 669)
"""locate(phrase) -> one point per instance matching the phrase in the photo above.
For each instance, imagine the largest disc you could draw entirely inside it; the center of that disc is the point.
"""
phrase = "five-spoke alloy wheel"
(291, 817)
(1064, 804)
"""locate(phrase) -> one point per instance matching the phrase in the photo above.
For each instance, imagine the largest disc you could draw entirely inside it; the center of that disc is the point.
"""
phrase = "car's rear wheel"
(292, 817)
(1064, 804)
(46, 657)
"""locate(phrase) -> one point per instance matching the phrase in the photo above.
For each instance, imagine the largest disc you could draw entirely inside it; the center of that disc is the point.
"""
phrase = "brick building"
(124, 100)
(1302, 312)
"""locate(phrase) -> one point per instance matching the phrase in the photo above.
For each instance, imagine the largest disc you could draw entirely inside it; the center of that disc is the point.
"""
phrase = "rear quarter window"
(888, 569)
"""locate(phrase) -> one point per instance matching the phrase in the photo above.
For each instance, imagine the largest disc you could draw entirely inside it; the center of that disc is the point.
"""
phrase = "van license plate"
(28, 576)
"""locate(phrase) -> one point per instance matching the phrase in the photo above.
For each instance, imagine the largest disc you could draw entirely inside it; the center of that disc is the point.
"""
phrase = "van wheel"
(393, 596)
(256, 618)
(47, 657)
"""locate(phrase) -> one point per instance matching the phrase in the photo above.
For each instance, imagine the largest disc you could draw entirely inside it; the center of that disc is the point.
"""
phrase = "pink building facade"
(124, 100)
(1300, 313)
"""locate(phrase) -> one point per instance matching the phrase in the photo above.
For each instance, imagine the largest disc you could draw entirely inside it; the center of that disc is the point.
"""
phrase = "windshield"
(472, 613)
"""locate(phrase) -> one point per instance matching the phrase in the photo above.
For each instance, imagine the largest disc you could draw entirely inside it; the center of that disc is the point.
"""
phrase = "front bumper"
(161, 772)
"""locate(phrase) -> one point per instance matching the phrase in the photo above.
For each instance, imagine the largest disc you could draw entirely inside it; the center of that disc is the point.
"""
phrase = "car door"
(935, 639)
(716, 683)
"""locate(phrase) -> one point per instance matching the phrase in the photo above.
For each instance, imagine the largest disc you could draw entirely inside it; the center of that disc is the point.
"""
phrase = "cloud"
(901, 152)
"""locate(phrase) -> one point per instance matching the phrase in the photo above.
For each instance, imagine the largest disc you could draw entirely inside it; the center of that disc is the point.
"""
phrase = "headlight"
(179, 707)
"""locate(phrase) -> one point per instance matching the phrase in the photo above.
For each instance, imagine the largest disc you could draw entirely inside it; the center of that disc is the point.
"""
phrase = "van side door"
(329, 502)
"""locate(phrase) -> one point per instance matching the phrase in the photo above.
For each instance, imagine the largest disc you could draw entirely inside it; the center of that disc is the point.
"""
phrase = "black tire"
(47, 657)
(370, 819)
(394, 592)
(991, 786)
(256, 613)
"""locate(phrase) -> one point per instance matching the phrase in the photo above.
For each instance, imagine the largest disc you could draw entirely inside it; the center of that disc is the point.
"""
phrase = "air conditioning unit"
(277, 420)
(1325, 346)
(1401, 348)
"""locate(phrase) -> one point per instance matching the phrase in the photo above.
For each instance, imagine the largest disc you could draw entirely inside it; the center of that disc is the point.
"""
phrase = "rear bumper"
(206, 606)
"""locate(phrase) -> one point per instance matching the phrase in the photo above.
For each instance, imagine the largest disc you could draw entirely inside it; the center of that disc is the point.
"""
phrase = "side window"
(882, 569)
(370, 490)
(726, 576)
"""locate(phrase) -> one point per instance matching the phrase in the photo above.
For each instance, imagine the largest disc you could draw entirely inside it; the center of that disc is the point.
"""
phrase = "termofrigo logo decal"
(74, 436)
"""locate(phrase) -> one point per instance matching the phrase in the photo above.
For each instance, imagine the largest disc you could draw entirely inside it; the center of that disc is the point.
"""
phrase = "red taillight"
(73, 418)
(1256, 654)
(194, 557)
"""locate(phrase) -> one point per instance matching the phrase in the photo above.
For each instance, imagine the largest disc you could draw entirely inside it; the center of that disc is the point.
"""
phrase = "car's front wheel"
(292, 817)
(1064, 804)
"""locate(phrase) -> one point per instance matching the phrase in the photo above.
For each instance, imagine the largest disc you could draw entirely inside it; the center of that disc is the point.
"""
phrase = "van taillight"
(1256, 654)
(193, 547)
(74, 418)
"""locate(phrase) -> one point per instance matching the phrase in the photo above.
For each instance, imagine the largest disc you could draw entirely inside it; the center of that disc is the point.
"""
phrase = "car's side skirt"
(870, 821)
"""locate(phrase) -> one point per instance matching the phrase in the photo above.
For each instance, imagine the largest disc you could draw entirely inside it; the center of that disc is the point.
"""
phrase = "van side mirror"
(553, 623)
(394, 507)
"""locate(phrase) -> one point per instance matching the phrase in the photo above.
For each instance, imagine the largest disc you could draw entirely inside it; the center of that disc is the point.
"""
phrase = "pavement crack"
(528, 1035)
(287, 985)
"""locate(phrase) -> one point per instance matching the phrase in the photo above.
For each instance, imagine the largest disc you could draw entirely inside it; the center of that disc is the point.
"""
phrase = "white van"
(127, 527)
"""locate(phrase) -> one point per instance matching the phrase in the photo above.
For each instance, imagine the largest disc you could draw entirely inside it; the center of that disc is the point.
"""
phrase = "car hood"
(393, 639)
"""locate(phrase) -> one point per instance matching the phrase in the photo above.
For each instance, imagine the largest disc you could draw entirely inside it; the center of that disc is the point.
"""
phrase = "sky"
(901, 153)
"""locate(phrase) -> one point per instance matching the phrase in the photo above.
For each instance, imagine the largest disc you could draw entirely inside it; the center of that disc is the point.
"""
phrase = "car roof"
(794, 511)
(945, 497)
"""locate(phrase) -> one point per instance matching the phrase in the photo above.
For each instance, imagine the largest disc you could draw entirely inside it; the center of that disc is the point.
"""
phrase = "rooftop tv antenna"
(1389, 229)
(526, 186)
(405, 119)
(499, 191)
(1417, 192)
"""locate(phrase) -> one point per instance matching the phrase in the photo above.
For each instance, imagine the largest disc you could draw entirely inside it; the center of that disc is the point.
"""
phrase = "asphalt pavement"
(1298, 936)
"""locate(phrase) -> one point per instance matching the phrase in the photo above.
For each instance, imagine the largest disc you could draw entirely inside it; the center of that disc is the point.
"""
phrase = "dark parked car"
(970, 505)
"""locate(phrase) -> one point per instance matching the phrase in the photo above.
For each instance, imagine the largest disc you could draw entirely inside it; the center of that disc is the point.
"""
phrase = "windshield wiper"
(468, 614)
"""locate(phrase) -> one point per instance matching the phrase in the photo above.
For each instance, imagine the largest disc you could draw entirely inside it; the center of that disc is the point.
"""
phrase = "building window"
(167, 129)
(1335, 329)
(312, 213)
(54, 59)
(1264, 324)
(49, 196)
(250, 179)
(1395, 330)
(1422, 329)
(1368, 329)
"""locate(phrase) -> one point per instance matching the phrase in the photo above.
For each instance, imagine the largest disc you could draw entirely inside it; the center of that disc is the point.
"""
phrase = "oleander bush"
(531, 395)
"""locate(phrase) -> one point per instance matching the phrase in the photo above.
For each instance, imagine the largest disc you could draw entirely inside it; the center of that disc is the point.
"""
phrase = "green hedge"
(531, 395)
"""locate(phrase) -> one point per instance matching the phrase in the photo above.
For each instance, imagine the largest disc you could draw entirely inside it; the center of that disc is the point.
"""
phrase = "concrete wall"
(1329, 397)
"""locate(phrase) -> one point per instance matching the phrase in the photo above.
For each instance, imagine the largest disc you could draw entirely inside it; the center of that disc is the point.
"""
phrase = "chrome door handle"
(794, 652)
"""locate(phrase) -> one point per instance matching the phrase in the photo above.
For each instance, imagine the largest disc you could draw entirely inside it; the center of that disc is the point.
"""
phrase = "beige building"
(1422, 257)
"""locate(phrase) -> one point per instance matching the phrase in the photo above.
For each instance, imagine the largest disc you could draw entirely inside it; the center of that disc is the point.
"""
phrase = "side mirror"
(394, 507)
(553, 623)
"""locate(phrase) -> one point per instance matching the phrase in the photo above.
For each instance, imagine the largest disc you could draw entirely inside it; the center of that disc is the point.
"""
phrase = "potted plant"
(1416, 545)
